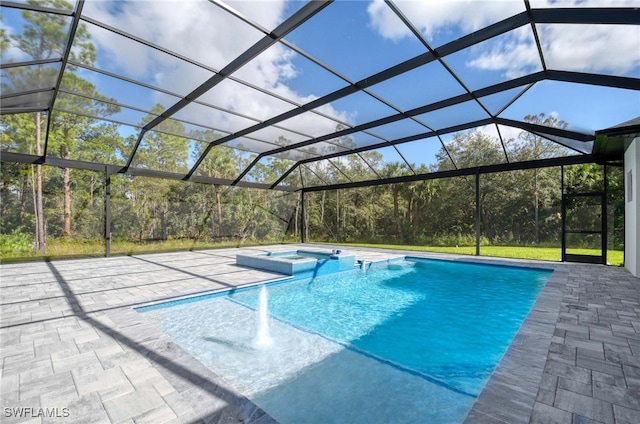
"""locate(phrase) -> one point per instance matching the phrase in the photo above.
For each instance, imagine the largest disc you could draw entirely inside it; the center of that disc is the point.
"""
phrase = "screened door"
(584, 231)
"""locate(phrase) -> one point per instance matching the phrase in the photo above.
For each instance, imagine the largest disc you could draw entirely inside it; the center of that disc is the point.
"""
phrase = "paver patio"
(72, 345)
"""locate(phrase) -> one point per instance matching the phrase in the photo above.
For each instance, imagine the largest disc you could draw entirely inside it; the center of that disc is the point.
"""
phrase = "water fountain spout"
(263, 338)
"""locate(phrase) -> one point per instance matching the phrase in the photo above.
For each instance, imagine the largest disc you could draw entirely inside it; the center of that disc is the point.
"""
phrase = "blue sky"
(356, 39)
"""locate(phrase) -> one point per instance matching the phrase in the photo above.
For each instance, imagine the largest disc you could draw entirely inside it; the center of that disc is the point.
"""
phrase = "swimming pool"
(415, 340)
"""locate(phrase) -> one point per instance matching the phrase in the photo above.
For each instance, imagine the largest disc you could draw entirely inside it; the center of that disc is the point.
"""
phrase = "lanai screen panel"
(294, 94)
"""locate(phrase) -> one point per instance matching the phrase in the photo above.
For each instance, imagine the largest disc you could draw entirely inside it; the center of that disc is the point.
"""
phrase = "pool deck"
(71, 344)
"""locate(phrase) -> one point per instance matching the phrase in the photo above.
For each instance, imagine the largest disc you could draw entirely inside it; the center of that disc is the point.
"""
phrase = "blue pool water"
(412, 341)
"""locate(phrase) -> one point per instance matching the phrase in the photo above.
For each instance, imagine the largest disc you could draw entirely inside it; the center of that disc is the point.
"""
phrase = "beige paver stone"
(71, 332)
(87, 337)
(133, 363)
(45, 315)
(133, 404)
(18, 364)
(60, 383)
(24, 349)
(177, 403)
(144, 376)
(160, 415)
(59, 347)
(62, 362)
(122, 358)
(584, 405)
(48, 335)
(629, 398)
(82, 410)
(116, 391)
(109, 350)
(545, 414)
(36, 373)
(625, 415)
(96, 344)
(9, 389)
(99, 380)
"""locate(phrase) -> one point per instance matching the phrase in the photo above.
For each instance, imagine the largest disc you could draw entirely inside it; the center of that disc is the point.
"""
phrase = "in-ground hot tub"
(297, 262)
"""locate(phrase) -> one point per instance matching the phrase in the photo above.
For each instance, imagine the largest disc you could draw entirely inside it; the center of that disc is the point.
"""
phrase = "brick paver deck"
(74, 351)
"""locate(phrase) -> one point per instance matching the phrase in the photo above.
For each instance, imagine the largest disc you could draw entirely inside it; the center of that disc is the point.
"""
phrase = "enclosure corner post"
(107, 207)
(304, 221)
(478, 213)
(605, 220)
(563, 212)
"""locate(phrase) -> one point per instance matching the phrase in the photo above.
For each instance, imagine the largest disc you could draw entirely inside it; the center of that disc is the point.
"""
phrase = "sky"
(355, 39)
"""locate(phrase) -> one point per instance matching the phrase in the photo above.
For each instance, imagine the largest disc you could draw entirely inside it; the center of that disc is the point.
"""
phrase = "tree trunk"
(23, 198)
(295, 220)
(39, 209)
(305, 217)
(219, 206)
(163, 220)
(324, 195)
(396, 211)
(537, 235)
(337, 215)
(418, 216)
(212, 218)
(372, 229)
(66, 185)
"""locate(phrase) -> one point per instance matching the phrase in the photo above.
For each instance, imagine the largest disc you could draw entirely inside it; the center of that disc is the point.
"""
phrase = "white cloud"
(513, 55)
(609, 49)
(489, 130)
(509, 133)
(591, 48)
(538, 4)
(585, 48)
(202, 31)
(436, 16)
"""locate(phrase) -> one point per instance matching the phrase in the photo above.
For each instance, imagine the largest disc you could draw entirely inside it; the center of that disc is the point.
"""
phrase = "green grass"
(60, 248)
(614, 257)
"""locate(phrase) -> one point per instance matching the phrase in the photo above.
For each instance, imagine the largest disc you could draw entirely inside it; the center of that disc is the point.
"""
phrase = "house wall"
(632, 207)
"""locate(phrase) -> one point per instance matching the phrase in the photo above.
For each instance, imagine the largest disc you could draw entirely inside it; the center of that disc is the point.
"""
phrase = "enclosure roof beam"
(7, 65)
(502, 167)
(534, 128)
(65, 58)
(36, 8)
(116, 169)
(577, 77)
(587, 15)
(469, 40)
(14, 110)
(552, 15)
(27, 92)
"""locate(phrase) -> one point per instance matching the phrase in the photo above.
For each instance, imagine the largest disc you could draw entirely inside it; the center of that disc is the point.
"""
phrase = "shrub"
(15, 243)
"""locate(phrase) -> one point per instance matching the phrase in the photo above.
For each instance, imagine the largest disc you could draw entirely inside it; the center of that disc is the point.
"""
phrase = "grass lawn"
(58, 249)
(61, 249)
(614, 257)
